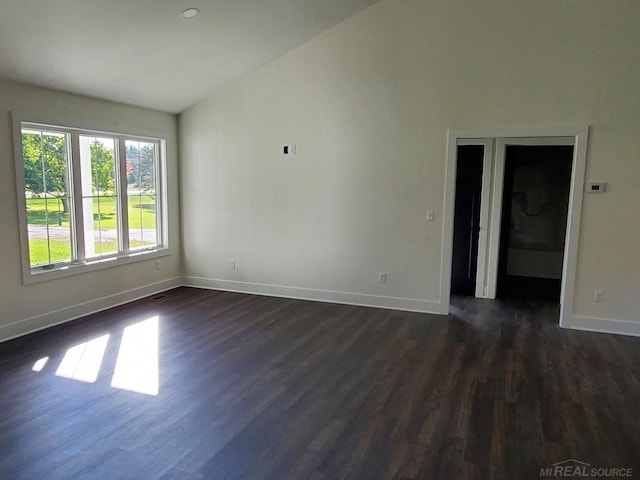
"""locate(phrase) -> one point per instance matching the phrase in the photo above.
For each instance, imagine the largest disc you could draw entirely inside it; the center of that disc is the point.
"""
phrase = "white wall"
(25, 308)
(368, 104)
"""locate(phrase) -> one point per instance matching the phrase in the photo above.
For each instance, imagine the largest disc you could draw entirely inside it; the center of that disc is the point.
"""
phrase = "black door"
(466, 226)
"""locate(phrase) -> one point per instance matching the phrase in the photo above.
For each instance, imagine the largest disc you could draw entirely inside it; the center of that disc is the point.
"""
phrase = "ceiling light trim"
(189, 13)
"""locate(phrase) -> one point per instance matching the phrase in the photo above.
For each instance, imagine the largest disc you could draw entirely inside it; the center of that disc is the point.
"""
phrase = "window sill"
(31, 276)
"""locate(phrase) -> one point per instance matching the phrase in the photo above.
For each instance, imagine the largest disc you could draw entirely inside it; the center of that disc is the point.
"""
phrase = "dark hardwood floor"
(255, 387)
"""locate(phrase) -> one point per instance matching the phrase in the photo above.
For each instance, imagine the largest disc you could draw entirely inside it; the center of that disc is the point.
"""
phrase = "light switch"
(429, 215)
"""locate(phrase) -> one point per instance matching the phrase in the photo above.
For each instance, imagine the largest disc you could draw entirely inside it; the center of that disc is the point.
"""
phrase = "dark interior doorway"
(466, 219)
(535, 206)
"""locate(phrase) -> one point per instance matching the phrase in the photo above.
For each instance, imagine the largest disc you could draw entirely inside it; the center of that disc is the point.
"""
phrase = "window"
(88, 197)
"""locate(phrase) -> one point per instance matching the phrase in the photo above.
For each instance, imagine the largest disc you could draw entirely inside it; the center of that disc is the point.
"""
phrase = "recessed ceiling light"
(190, 13)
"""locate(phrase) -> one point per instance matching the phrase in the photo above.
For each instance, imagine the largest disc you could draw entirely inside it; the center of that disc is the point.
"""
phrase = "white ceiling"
(143, 53)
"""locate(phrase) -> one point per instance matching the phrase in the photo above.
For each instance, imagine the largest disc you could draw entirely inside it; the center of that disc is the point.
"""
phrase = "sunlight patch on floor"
(83, 361)
(137, 363)
(39, 365)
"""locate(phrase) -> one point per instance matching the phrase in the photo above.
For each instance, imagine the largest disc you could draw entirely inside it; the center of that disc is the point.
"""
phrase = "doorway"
(535, 204)
(502, 177)
(466, 227)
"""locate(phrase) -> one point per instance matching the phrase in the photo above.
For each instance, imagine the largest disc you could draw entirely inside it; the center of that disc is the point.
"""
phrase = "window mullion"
(161, 195)
(158, 208)
(78, 220)
(123, 202)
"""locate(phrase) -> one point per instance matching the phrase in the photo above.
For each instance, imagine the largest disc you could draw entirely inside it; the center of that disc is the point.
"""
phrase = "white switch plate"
(429, 215)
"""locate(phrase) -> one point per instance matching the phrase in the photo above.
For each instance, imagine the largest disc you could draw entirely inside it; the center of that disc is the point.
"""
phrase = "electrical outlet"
(598, 296)
(429, 215)
(232, 264)
(158, 266)
(382, 277)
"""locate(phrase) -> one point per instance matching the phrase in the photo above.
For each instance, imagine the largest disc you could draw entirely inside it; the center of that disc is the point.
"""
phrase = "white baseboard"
(393, 303)
(603, 325)
(40, 322)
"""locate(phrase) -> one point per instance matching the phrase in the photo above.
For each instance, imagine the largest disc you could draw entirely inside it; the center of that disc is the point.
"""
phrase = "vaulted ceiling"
(143, 52)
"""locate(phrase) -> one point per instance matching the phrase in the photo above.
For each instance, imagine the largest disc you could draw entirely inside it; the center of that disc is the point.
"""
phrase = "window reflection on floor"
(136, 368)
(83, 361)
(137, 363)
(39, 365)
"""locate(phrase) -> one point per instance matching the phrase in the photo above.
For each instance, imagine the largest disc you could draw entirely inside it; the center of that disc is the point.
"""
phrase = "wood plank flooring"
(256, 387)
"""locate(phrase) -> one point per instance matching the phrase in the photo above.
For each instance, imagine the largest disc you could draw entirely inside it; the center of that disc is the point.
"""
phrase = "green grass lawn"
(61, 250)
(142, 212)
(39, 254)
(40, 212)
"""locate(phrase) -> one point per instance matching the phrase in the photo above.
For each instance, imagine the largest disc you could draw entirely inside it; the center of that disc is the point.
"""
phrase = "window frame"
(125, 255)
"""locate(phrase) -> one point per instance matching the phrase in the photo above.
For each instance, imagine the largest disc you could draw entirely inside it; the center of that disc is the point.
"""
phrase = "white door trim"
(496, 200)
(512, 135)
(496, 219)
